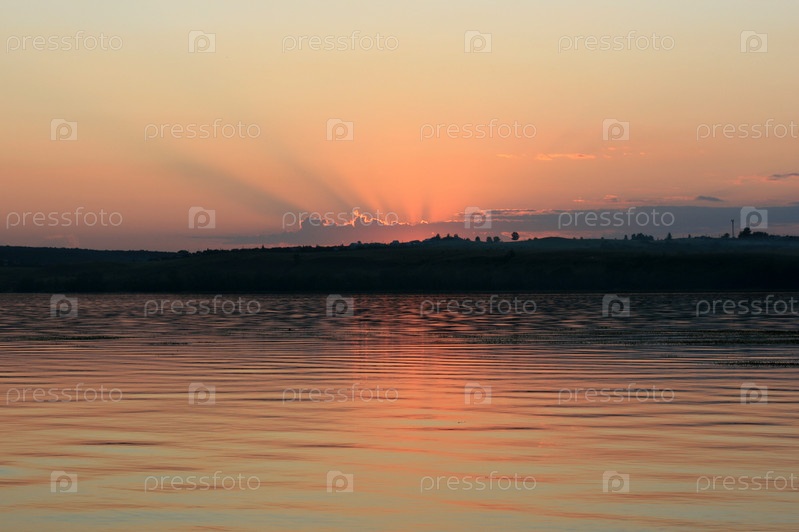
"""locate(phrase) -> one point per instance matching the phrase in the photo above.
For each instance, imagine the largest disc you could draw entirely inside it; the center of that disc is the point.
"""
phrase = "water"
(561, 419)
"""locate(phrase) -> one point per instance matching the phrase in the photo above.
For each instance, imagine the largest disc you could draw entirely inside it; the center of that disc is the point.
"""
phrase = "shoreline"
(447, 266)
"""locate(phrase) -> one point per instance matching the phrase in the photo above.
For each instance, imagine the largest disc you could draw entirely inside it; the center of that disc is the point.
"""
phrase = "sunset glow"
(259, 110)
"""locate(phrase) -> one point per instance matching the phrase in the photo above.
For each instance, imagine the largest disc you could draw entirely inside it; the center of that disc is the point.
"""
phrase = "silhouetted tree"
(748, 233)
(514, 236)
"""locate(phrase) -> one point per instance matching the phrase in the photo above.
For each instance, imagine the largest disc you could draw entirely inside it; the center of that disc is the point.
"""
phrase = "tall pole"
(732, 235)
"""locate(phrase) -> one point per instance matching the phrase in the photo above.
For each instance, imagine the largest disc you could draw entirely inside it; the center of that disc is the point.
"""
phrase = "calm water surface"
(284, 418)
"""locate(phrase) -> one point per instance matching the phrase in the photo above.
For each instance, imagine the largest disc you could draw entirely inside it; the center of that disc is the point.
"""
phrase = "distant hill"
(25, 256)
(442, 264)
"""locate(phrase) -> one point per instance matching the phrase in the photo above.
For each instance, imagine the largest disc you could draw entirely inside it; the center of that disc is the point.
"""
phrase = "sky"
(194, 125)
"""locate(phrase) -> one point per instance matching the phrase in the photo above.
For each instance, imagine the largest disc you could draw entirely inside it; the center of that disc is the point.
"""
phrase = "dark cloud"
(680, 220)
(708, 198)
(777, 177)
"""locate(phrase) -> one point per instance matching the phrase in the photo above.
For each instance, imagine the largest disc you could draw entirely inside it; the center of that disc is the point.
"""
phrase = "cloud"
(513, 215)
(760, 178)
(778, 177)
(572, 156)
(613, 222)
(708, 198)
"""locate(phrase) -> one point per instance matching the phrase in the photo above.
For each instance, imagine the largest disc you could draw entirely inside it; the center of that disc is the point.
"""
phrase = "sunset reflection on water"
(389, 419)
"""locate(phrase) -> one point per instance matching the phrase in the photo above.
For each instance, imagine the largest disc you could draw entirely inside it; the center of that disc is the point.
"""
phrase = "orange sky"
(673, 71)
